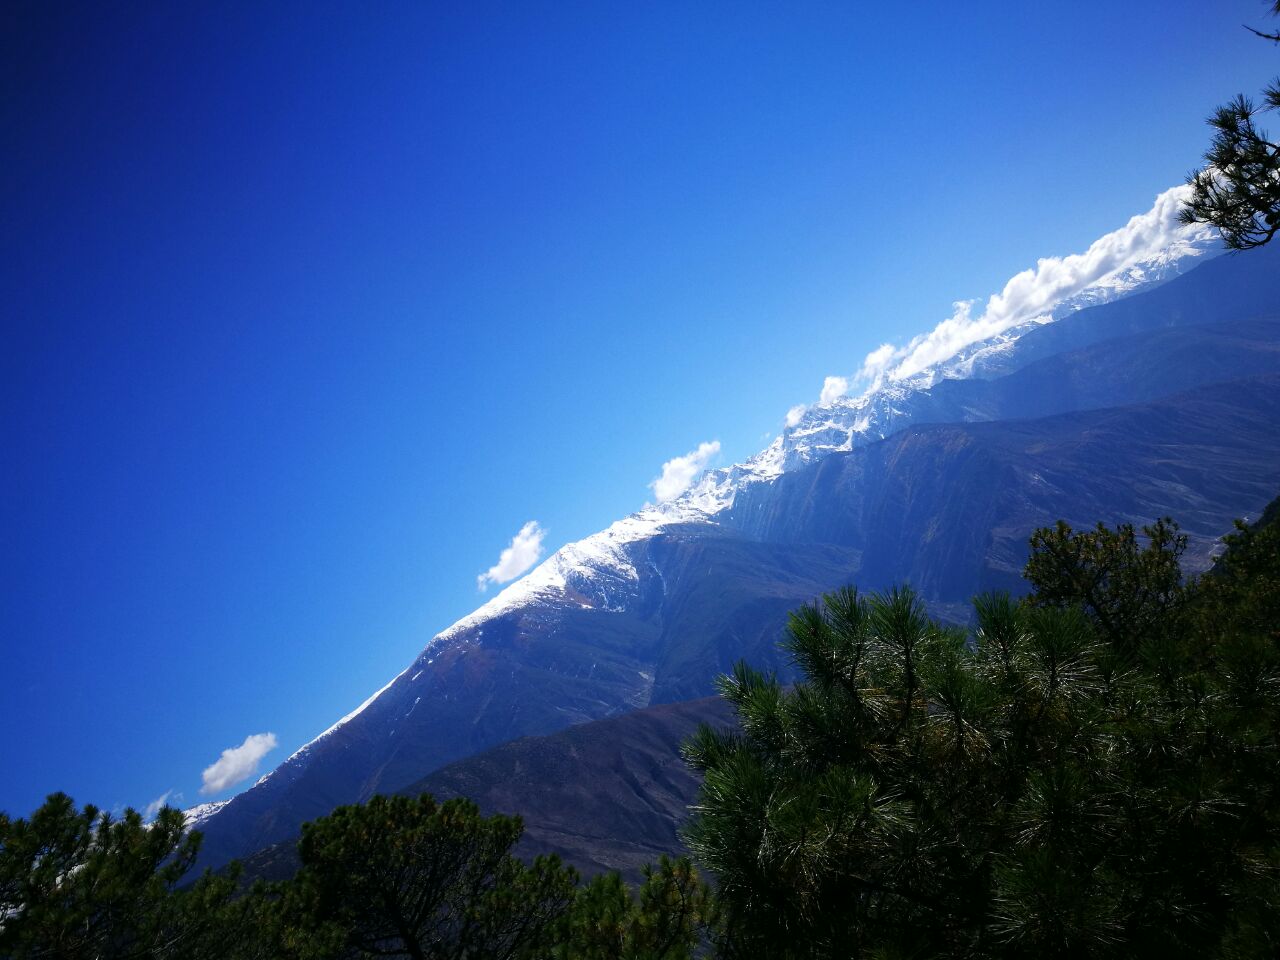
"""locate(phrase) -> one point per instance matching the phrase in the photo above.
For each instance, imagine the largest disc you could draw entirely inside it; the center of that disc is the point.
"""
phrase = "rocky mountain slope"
(606, 795)
(1161, 403)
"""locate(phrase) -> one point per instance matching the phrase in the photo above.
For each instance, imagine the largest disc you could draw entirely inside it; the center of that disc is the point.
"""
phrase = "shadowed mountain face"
(1173, 417)
(607, 795)
(949, 508)
(535, 672)
(1236, 286)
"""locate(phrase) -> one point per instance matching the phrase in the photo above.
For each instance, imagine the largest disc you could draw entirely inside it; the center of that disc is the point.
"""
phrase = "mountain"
(1162, 402)
(606, 795)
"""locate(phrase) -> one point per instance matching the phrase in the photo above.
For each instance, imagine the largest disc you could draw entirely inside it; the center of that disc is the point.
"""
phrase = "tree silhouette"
(1238, 190)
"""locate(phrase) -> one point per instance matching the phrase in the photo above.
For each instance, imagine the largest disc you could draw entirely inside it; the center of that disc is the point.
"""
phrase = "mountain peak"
(599, 571)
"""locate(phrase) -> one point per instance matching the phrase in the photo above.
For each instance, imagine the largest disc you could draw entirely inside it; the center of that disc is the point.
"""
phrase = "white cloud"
(678, 472)
(878, 362)
(795, 413)
(1034, 293)
(833, 388)
(155, 806)
(524, 551)
(237, 764)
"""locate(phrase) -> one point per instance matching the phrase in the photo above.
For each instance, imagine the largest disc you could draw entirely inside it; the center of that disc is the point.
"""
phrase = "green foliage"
(412, 878)
(1238, 191)
(1093, 773)
(396, 877)
(1130, 591)
(81, 884)
(673, 915)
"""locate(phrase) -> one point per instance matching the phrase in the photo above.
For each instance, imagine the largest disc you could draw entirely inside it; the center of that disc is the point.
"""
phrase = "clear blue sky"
(308, 307)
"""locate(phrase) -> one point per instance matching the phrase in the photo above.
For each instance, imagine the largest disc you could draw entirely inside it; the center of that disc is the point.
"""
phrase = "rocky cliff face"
(1161, 403)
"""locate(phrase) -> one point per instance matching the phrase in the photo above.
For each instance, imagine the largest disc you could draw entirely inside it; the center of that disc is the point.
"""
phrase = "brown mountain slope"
(608, 795)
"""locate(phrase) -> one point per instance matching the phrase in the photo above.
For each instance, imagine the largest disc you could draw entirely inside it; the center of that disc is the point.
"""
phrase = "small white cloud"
(678, 472)
(237, 764)
(795, 413)
(833, 388)
(159, 803)
(524, 551)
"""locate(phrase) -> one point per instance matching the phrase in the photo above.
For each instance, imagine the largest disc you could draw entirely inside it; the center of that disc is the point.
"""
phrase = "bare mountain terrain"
(1163, 403)
(606, 795)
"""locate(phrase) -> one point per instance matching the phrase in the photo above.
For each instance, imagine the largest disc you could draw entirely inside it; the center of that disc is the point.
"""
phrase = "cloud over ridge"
(833, 388)
(522, 553)
(678, 472)
(159, 803)
(1034, 292)
(237, 764)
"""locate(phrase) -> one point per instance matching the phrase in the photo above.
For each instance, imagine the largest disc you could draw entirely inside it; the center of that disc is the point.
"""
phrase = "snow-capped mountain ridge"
(600, 570)
(1073, 419)
(883, 407)
(201, 812)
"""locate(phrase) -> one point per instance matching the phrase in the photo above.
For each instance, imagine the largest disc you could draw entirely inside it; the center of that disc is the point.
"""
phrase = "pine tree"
(79, 883)
(1238, 190)
(673, 916)
(1092, 773)
(407, 877)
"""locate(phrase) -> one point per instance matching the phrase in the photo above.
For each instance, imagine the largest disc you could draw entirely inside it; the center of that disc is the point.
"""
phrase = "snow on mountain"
(885, 407)
(600, 572)
(201, 812)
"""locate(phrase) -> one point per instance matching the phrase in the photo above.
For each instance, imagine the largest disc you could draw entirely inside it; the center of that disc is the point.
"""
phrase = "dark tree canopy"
(672, 917)
(395, 877)
(82, 885)
(412, 878)
(1093, 773)
(1130, 590)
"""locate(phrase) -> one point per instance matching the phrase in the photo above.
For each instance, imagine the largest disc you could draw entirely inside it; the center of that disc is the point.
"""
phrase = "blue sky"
(309, 308)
